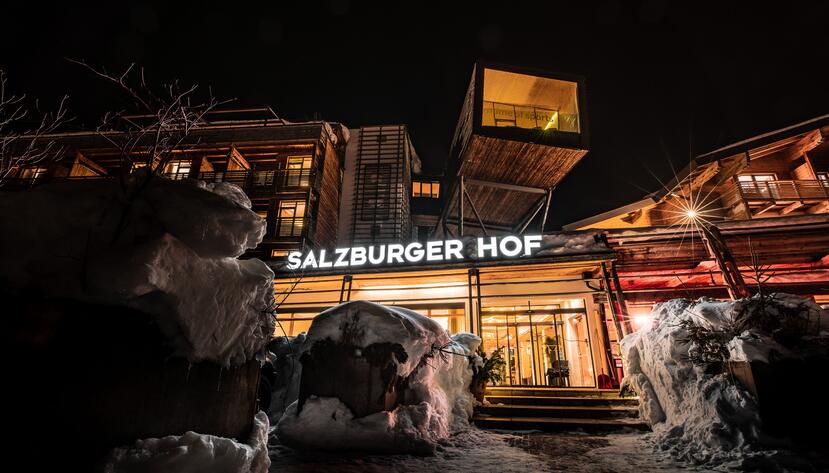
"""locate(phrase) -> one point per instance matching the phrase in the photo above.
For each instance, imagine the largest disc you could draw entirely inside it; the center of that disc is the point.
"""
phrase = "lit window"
(263, 214)
(426, 189)
(529, 102)
(178, 169)
(33, 174)
(823, 177)
(291, 218)
(298, 174)
(279, 253)
(757, 177)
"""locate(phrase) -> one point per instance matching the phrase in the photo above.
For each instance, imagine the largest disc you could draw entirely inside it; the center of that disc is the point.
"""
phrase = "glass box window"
(291, 218)
(530, 102)
(426, 189)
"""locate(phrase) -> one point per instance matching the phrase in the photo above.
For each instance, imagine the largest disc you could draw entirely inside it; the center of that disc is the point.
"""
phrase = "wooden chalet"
(290, 171)
(752, 214)
(519, 133)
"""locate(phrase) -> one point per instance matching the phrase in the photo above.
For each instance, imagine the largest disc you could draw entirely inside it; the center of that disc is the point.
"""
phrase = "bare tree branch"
(21, 145)
(159, 127)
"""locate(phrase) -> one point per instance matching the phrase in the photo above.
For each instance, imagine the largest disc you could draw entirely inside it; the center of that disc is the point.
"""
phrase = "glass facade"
(542, 318)
(529, 102)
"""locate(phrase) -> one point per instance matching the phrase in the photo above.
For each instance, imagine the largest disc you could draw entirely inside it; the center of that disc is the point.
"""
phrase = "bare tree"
(23, 145)
(161, 122)
(158, 127)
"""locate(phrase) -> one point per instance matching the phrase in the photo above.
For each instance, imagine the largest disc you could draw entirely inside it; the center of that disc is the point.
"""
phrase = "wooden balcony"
(252, 182)
(784, 197)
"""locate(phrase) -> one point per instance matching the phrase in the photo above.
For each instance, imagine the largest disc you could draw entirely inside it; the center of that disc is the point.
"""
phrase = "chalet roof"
(764, 139)
(699, 163)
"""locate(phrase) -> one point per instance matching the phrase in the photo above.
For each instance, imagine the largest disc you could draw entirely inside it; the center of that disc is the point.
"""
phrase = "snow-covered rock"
(704, 417)
(195, 453)
(436, 402)
(170, 249)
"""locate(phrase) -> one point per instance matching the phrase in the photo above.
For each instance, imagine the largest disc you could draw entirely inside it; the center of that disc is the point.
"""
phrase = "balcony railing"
(289, 226)
(501, 114)
(262, 180)
(783, 190)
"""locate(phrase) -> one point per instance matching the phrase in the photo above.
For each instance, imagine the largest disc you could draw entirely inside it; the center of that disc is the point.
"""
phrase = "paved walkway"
(481, 451)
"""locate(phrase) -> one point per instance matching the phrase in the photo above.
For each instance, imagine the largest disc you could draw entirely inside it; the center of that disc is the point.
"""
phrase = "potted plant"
(489, 371)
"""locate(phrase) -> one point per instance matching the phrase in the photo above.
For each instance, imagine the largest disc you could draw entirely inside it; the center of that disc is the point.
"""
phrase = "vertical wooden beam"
(718, 250)
(460, 210)
(608, 351)
(620, 298)
(611, 303)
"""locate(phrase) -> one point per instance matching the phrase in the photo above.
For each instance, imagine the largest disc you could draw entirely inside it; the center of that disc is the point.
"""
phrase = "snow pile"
(284, 356)
(571, 243)
(168, 248)
(195, 453)
(437, 374)
(698, 415)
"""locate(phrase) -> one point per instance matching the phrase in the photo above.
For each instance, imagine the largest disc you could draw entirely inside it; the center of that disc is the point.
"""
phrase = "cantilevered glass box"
(520, 132)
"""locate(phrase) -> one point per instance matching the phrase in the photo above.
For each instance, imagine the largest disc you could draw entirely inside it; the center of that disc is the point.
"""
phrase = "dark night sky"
(663, 80)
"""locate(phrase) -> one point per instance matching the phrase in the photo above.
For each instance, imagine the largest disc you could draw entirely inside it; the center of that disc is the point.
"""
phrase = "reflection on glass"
(529, 102)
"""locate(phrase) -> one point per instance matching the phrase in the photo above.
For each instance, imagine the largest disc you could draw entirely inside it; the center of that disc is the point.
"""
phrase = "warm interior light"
(552, 120)
(642, 321)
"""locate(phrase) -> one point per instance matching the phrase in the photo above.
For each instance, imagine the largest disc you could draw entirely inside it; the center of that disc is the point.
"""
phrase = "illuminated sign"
(431, 251)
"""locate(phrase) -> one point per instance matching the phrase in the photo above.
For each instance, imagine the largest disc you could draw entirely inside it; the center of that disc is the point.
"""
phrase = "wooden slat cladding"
(519, 163)
(773, 247)
(496, 206)
(327, 218)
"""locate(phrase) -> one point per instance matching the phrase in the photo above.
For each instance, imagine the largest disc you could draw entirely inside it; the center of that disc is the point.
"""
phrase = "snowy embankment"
(699, 414)
(170, 251)
(195, 453)
(431, 375)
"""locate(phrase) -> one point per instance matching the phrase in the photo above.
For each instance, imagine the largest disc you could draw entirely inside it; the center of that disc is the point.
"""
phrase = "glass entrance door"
(548, 347)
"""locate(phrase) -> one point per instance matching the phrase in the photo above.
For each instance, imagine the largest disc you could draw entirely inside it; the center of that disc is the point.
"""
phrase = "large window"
(530, 102)
(756, 177)
(426, 189)
(178, 169)
(33, 173)
(291, 218)
(298, 171)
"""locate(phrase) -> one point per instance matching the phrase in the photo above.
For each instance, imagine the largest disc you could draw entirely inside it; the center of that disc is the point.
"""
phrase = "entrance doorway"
(541, 347)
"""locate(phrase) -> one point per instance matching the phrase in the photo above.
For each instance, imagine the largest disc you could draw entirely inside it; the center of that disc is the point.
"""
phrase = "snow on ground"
(437, 373)
(480, 451)
(704, 417)
(171, 250)
(195, 453)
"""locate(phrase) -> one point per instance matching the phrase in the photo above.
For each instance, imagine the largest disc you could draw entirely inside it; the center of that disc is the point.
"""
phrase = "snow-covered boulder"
(702, 415)
(168, 248)
(424, 378)
(195, 453)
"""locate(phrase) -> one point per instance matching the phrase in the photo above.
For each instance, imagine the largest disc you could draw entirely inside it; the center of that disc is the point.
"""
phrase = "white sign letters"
(432, 251)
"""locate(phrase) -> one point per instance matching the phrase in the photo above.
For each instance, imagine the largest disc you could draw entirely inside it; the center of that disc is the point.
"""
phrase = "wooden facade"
(782, 173)
(520, 132)
(290, 171)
